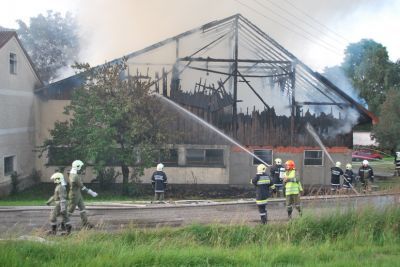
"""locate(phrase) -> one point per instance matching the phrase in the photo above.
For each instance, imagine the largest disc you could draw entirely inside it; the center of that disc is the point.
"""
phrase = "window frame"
(313, 150)
(7, 172)
(205, 162)
(266, 161)
(13, 63)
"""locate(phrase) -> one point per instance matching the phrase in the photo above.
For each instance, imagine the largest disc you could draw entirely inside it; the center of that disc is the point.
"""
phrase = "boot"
(289, 213)
(53, 230)
(87, 225)
(264, 219)
(69, 227)
(63, 228)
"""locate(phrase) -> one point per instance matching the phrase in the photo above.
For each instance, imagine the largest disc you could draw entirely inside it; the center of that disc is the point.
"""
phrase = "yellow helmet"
(338, 164)
(57, 177)
(261, 168)
(278, 161)
(348, 166)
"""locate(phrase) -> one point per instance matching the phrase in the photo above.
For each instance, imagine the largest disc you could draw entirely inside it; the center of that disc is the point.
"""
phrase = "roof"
(277, 63)
(7, 35)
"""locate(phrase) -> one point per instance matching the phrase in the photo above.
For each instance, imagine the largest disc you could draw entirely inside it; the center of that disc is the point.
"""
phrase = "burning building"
(234, 76)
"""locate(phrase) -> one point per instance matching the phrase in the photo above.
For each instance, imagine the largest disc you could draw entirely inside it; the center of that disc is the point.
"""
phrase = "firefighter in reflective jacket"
(348, 177)
(60, 200)
(263, 183)
(336, 172)
(277, 172)
(366, 176)
(159, 182)
(292, 188)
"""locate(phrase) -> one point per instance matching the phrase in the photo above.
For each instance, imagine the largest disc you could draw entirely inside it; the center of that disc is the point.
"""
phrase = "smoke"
(111, 29)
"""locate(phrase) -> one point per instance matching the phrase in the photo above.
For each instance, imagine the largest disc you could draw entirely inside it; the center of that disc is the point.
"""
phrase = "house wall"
(17, 109)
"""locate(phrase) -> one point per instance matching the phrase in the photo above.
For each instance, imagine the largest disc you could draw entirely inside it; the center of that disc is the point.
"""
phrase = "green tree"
(51, 41)
(114, 121)
(367, 65)
(387, 131)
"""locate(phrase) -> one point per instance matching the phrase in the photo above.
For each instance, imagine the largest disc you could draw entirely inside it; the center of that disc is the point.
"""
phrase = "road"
(115, 216)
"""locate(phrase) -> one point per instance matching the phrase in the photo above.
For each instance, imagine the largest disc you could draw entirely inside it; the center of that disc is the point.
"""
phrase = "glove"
(92, 193)
(48, 203)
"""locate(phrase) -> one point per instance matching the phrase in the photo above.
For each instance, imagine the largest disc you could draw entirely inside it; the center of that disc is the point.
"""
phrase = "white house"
(18, 79)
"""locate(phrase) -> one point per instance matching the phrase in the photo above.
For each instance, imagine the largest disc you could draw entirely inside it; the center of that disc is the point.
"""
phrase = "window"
(313, 157)
(168, 157)
(9, 165)
(13, 63)
(264, 154)
(205, 157)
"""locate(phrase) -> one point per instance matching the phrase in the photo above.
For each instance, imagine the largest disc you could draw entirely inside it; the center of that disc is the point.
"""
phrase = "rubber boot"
(87, 225)
(53, 230)
(69, 227)
(289, 213)
(263, 219)
(63, 228)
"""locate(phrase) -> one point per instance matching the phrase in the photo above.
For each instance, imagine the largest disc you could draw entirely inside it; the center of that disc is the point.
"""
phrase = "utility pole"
(235, 76)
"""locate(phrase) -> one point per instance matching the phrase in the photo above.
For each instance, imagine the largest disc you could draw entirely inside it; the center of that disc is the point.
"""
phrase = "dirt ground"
(115, 216)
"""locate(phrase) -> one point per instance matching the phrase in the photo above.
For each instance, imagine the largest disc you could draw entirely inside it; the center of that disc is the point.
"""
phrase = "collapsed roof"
(231, 62)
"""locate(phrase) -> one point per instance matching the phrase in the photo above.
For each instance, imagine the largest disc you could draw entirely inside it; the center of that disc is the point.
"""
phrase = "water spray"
(311, 130)
(210, 126)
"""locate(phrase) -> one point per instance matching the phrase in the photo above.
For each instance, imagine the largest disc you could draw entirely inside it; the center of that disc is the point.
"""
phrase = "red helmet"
(290, 165)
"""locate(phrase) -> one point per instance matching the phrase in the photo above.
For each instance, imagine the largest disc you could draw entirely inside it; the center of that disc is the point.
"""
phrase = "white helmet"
(398, 154)
(77, 164)
(160, 167)
(58, 177)
(365, 162)
(348, 166)
(261, 169)
(278, 161)
(338, 164)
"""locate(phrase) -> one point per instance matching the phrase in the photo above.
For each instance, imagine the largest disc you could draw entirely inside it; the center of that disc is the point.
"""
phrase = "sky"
(315, 31)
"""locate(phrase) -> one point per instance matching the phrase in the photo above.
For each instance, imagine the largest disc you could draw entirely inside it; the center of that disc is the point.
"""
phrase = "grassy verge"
(358, 238)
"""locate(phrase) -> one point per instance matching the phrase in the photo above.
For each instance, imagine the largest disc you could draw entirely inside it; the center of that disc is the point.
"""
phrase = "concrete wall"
(17, 112)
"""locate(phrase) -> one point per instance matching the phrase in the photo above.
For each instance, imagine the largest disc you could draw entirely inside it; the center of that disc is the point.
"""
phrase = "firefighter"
(159, 182)
(293, 188)
(263, 183)
(397, 164)
(348, 177)
(60, 209)
(366, 174)
(75, 196)
(336, 172)
(277, 172)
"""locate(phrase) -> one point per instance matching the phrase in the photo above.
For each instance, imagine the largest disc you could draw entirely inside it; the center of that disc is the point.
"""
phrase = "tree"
(388, 129)
(114, 121)
(367, 65)
(51, 41)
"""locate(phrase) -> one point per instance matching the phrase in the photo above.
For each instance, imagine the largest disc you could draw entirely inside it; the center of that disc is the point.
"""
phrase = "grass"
(357, 238)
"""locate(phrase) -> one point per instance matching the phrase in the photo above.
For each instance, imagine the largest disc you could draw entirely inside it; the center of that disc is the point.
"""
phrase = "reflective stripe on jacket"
(293, 185)
(262, 183)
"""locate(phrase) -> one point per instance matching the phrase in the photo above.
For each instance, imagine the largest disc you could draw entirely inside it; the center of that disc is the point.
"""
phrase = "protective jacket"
(335, 175)
(159, 181)
(366, 173)
(59, 197)
(76, 185)
(262, 183)
(293, 185)
(349, 175)
(277, 173)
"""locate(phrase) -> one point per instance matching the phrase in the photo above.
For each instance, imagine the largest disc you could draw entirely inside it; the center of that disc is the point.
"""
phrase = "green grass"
(357, 238)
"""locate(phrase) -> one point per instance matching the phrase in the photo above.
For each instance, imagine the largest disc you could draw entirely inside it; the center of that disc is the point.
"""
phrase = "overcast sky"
(315, 31)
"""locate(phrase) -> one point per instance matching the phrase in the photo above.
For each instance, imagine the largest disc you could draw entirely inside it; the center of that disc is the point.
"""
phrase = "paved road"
(114, 216)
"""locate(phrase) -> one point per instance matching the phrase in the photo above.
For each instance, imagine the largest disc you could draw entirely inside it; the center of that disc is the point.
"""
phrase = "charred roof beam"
(209, 59)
